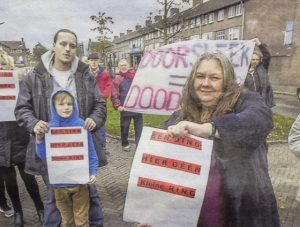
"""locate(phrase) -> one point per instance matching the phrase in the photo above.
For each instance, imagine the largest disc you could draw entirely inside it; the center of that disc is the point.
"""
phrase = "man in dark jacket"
(104, 83)
(59, 68)
(257, 79)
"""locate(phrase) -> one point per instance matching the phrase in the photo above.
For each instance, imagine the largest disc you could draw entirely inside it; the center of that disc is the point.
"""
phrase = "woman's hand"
(179, 130)
(184, 128)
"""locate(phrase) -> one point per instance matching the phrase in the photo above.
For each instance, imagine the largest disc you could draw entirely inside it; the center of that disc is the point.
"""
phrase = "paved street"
(287, 105)
(112, 185)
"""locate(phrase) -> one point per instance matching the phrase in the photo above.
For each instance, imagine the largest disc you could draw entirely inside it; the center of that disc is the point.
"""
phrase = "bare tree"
(103, 23)
(167, 19)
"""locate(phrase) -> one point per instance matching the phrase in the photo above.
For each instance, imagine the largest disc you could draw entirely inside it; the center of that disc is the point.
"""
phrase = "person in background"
(119, 90)
(294, 144)
(13, 145)
(72, 200)
(257, 79)
(239, 192)
(104, 83)
(59, 68)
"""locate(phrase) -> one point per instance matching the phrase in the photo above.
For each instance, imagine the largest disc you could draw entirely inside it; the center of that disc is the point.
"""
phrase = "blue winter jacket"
(73, 120)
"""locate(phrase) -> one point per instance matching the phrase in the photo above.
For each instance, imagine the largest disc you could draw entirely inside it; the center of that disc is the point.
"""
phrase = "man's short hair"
(122, 61)
(93, 56)
(63, 30)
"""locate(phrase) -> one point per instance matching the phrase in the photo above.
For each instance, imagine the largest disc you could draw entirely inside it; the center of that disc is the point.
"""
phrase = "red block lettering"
(186, 141)
(65, 131)
(66, 144)
(67, 158)
(166, 187)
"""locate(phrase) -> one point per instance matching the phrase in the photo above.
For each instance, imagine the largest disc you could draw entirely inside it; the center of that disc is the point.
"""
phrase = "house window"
(208, 35)
(195, 37)
(204, 19)
(19, 51)
(238, 10)
(221, 15)
(234, 33)
(231, 12)
(193, 22)
(288, 34)
(220, 35)
(198, 21)
(211, 18)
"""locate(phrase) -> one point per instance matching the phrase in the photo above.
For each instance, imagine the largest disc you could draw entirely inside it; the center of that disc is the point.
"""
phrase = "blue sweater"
(73, 120)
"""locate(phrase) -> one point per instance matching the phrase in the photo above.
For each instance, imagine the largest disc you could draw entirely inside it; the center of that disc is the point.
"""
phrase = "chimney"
(129, 31)
(122, 34)
(157, 18)
(138, 27)
(174, 11)
(148, 22)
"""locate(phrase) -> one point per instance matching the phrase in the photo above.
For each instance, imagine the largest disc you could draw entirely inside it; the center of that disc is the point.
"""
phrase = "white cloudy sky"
(38, 20)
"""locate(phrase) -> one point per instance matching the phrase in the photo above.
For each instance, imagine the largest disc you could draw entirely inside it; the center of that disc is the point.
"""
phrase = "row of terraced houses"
(274, 22)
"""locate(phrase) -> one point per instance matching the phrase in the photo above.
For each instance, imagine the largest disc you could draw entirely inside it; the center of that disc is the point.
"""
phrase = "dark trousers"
(52, 217)
(8, 178)
(125, 120)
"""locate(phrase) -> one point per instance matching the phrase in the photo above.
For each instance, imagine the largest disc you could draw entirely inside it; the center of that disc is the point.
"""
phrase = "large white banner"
(67, 155)
(168, 179)
(9, 89)
(161, 75)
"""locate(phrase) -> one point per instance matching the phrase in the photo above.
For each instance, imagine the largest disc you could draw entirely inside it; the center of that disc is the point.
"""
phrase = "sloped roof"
(13, 45)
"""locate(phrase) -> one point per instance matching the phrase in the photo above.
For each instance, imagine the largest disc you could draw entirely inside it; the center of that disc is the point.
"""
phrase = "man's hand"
(92, 180)
(41, 127)
(39, 137)
(120, 108)
(89, 124)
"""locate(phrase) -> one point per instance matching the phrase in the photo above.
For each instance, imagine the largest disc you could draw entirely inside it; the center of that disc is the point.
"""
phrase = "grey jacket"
(241, 156)
(294, 137)
(265, 88)
(33, 103)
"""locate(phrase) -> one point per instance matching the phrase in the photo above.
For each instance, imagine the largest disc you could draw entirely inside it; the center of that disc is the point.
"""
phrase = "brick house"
(16, 49)
(274, 22)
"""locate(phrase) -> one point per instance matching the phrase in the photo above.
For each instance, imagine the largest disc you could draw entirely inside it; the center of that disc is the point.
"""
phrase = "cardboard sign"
(9, 89)
(161, 75)
(168, 179)
(67, 155)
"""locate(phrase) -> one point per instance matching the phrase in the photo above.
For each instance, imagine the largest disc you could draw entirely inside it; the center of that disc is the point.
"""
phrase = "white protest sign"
(9, 89)
(168, 180)
(161, 75)
(67, 155)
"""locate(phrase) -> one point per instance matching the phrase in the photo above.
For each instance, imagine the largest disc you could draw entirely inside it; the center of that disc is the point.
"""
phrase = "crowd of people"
(63, 91)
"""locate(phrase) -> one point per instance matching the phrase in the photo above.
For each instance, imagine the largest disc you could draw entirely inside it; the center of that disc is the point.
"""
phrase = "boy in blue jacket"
(72, 200)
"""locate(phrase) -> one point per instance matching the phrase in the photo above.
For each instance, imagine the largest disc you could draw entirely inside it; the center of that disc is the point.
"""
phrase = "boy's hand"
(92, 180)
(89, 124)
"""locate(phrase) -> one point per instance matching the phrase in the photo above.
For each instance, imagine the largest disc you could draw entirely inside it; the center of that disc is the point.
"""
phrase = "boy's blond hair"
(62, 96)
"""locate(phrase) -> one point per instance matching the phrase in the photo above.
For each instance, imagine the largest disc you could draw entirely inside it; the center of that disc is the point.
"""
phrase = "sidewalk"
(112, 185)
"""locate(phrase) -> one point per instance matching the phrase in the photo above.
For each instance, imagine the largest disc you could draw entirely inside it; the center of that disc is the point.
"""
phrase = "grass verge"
(280, 131)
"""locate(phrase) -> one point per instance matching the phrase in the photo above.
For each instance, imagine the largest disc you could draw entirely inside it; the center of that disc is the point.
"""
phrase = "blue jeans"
(52, 216)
